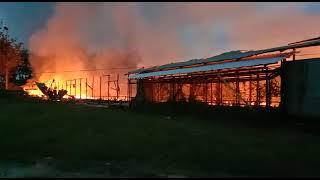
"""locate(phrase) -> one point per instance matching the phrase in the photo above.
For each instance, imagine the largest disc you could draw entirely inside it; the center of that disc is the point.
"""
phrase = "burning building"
(102, 88)
(268, 77)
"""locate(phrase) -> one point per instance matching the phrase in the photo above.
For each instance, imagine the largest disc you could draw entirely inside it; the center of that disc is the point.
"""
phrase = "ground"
(50, 139)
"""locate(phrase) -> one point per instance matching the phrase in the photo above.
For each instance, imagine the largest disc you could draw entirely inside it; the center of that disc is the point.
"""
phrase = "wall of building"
(302, 87)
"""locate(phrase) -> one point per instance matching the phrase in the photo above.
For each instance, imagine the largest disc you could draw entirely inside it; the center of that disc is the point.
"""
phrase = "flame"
(80, 85)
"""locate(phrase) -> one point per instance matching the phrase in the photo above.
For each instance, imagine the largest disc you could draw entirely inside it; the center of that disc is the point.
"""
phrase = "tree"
(21, 73)
(10, 55)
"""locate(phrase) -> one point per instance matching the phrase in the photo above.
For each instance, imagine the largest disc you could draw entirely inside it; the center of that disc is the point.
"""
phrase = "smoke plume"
(130, 35)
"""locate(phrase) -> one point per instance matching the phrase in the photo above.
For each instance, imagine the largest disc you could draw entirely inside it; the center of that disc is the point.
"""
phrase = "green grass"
(146, 144)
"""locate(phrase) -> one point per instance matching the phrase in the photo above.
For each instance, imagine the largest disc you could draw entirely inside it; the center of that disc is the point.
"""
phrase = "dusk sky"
(179, 30)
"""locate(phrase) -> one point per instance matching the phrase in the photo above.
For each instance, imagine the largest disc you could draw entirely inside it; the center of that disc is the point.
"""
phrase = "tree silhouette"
(21, 73)
(10, 56)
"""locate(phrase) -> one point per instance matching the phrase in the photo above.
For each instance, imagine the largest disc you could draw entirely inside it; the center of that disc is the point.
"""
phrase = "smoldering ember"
(159, 89)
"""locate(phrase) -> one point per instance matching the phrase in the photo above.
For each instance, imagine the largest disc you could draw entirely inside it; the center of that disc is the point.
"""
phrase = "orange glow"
(35, 92)
(88, 88)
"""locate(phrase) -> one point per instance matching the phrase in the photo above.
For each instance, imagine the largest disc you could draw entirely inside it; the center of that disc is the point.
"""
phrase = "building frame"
(236, 78)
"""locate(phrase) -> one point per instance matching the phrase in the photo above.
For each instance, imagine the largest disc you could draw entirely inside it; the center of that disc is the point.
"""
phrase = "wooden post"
(191, 92)
(158, 92)
(258, 90)
(211, 93)
(118, 86)
(92, 86)
(268, 94)
(75, 87)
(283, 86)
(108, 86)
(173, 90)
(237, 90)
(206, 92)
(250, 89)
(80, 87)
(220, 91)
(86, 87)
(128, 87)
(130, 90)
(100, 86)
(70, 86)
(217, 92)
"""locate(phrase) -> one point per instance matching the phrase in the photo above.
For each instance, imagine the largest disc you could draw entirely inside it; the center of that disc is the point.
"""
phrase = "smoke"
(93, 35)
(108, 35)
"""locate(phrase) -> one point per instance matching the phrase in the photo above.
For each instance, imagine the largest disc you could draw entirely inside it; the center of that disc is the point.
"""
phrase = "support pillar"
(118, 89)
(258, 91)
(92, 94)
(128, 89)
(100, 86)
(237, 90)
(108, 86)
(211, 98)
(206, 92)
(250, 89)
(75, 87)
(268, 93)
(70, 86)
(86, 87)
(80, 87)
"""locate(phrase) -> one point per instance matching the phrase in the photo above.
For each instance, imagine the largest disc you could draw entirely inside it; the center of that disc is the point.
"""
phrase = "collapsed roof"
(232, 56)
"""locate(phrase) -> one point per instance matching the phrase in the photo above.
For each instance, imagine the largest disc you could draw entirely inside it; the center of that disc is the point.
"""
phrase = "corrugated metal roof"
(224, 56)
(232, 55)
(227, 65)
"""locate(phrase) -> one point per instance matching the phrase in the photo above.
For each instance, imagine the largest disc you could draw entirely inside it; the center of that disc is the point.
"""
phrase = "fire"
(81, 85)
(34, 92)
(32, 89)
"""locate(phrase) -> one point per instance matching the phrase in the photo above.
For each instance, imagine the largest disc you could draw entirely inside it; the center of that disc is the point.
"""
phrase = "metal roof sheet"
(232, 55)
(224, 56)
(227, 65)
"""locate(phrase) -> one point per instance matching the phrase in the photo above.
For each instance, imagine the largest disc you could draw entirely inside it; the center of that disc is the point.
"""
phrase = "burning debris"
(52, 94)
(40, 89)
(106, 88)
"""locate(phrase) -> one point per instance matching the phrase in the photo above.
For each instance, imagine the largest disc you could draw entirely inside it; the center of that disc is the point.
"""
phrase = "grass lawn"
(126, 143)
